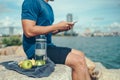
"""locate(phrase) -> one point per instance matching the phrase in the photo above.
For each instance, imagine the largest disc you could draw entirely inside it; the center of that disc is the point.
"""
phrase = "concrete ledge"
(108, 74)
(61, 72)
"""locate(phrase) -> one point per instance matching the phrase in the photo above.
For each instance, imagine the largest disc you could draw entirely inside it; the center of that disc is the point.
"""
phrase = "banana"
(33, 62)
(20, 63)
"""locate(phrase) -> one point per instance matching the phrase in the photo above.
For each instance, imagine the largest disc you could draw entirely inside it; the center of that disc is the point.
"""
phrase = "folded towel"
(35, 72)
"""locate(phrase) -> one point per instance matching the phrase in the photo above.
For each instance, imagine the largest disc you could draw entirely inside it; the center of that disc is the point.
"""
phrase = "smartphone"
(75, 22)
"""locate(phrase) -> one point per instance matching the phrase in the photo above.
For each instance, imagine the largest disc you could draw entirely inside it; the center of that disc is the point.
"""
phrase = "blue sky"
(93, 14)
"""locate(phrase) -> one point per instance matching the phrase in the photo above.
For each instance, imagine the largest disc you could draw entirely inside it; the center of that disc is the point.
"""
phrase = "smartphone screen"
(74, 22)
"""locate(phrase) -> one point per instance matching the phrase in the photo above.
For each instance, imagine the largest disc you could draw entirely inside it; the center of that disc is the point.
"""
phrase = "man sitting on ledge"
(37, 19)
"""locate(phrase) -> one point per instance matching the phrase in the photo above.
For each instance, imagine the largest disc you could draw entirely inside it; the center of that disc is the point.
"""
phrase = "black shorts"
(58, 54)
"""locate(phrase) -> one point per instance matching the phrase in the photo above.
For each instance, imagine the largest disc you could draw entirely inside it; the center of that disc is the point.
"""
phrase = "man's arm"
(31, 29)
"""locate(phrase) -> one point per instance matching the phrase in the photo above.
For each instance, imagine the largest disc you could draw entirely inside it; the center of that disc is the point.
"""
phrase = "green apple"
(44, 62)
(26, 64)
(40, 62)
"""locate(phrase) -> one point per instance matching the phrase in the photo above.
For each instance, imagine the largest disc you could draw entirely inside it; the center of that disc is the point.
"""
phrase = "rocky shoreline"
(62, 72)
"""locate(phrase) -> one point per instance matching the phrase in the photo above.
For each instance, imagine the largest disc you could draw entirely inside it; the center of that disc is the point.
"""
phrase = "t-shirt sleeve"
(30, 10)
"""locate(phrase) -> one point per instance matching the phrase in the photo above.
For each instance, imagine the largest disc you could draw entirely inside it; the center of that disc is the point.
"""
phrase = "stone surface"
(19, 51)
(108, 74)
(61, 72)
(12, 50)
(8, 50)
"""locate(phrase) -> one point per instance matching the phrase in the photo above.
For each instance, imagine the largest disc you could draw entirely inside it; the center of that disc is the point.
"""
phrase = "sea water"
(99, 49)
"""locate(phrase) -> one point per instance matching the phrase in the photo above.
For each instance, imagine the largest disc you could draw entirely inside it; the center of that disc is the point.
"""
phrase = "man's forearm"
(38, 30)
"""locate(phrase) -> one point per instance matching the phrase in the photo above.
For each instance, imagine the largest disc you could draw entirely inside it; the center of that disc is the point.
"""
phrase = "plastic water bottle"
(41, 48)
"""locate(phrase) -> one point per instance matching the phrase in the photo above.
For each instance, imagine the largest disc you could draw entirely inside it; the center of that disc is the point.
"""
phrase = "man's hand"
(64, 26)
(55, 32)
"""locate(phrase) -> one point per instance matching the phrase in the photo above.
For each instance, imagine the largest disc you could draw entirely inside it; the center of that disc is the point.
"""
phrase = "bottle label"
(40, 52)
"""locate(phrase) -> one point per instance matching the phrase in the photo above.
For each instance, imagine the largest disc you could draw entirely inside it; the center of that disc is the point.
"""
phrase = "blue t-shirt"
(40, 12)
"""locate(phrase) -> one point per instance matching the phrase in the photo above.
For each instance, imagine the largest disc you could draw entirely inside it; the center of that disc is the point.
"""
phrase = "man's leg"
(90, 64)
(94, 73)
(78, 65)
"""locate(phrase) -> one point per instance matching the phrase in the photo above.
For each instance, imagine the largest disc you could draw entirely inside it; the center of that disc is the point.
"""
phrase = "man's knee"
(75, 61)
(77, 52)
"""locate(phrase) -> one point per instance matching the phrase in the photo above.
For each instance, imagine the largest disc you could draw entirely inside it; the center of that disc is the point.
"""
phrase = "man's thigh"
(58, 54)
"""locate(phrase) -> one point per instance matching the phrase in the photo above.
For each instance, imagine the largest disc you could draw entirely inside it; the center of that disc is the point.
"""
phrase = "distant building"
(11, 30)
(87, 32)
(69, 18)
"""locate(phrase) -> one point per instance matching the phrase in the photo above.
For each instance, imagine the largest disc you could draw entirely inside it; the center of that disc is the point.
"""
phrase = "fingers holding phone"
(72, 24)
(64, 25)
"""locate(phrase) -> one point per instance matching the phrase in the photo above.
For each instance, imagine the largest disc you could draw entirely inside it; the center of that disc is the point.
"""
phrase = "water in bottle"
(41, 47)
